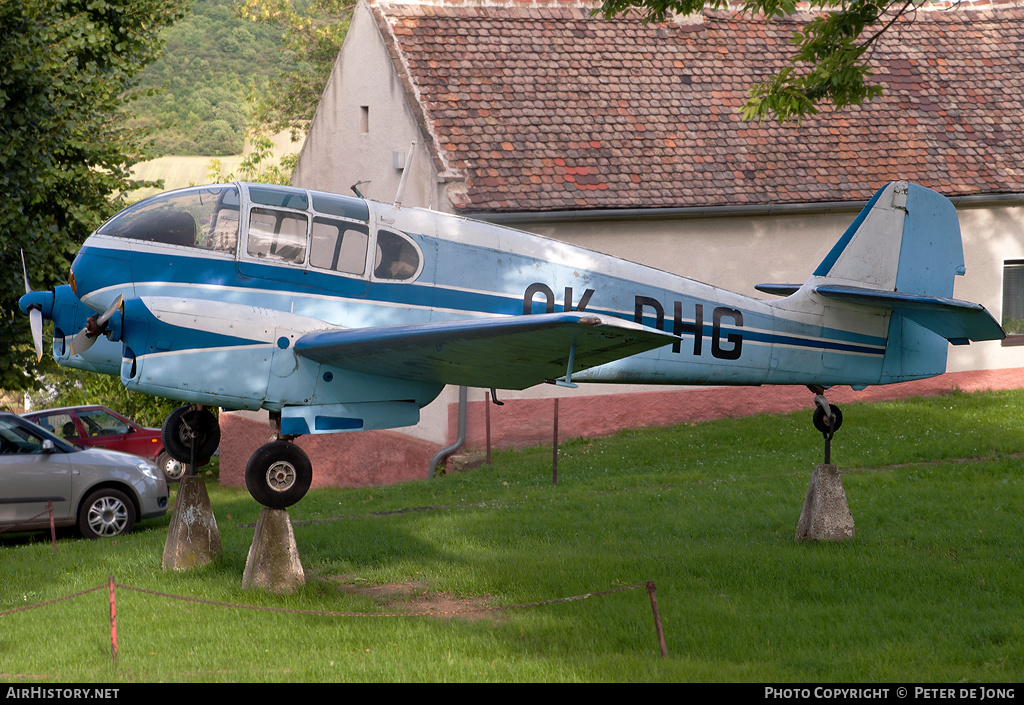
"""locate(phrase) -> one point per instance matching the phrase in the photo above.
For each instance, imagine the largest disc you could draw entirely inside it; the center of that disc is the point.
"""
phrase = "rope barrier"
(425, 613)
(111, 585)
(51, 602)
(53, 529)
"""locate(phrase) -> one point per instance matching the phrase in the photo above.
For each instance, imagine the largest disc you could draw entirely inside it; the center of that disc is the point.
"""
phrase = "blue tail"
(900, 258)
(903, 253)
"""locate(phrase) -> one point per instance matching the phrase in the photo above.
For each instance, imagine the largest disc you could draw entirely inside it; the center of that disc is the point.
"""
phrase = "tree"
(312, 36)
(69, 387)
(67, 77)
(833, 48)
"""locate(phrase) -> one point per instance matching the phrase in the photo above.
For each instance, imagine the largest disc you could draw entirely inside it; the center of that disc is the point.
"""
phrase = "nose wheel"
(191, 434)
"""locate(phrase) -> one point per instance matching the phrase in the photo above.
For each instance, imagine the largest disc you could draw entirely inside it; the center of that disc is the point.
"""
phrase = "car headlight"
(147, 469)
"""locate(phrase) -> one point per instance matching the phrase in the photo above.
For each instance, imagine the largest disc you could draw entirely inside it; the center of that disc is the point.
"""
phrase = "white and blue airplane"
(339, 314)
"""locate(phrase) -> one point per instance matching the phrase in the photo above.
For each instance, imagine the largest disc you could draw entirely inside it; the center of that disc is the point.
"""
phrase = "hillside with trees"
(196, 94)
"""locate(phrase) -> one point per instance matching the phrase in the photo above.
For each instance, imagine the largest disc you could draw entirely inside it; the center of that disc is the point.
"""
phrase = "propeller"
(35, 315)
(94, 328)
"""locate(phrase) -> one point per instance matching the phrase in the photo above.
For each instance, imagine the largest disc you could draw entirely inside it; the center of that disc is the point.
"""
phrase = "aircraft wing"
(508, 352)
(958, 321)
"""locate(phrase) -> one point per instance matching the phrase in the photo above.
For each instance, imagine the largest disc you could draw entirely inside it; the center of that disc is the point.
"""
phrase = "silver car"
(102, 492)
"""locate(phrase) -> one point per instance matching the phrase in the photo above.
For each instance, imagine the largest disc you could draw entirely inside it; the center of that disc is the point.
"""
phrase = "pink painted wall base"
(373, 458)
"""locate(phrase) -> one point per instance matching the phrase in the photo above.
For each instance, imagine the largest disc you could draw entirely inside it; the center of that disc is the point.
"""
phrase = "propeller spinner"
(94, 328)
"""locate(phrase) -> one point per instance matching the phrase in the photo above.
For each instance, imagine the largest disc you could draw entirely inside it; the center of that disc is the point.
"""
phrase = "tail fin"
(906, 239)
(901, 255)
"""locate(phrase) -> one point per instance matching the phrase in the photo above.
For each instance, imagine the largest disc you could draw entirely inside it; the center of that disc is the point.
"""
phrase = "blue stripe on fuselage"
(334, 298)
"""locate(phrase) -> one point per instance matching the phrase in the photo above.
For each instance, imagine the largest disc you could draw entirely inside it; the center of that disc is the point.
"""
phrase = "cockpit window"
(277, 235)
(345, 206)
(205, 217)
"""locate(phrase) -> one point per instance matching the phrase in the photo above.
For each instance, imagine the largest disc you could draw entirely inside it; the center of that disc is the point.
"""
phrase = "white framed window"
(1013, 301)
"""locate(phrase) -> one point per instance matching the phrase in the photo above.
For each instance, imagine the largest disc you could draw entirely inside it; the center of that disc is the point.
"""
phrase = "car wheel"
(172, 469)
(106, 513)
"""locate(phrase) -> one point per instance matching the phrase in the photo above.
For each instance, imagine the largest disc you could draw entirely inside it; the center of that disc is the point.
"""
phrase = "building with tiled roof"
(626, 138)
(539, 106)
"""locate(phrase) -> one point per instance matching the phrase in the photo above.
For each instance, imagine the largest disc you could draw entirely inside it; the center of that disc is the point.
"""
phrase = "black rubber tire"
(177, 442)
(106, 513)
(819, 419)
(278, 474)
(172, 468)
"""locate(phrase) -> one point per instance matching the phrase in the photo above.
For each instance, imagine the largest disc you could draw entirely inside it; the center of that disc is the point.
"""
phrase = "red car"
(99, 427)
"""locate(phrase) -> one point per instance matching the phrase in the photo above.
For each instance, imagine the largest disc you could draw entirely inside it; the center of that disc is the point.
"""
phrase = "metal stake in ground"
(554, 454)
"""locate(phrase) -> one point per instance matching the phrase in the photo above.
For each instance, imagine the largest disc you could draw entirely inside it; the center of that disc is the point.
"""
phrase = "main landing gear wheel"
(278, 474)
(187, 426)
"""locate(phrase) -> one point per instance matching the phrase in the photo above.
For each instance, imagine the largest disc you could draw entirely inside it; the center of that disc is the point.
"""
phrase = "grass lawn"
(929, 589)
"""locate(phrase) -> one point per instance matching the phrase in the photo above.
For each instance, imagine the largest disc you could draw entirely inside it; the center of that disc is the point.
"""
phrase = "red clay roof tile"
(540, 106)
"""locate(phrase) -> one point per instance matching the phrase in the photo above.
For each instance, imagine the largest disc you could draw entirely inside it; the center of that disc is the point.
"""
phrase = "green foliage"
(258, 165)
(313, 31)
(197, 91)
(829, 63)
(68, 74)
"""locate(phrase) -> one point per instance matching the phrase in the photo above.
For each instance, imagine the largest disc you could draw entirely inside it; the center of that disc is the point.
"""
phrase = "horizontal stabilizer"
(778, 289)
(508, 352)
(957, 321)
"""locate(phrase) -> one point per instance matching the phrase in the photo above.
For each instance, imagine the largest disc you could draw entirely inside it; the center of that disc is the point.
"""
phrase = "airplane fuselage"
(210, 313)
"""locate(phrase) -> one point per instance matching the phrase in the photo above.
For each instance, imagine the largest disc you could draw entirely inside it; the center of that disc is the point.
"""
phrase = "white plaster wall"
(344, 147)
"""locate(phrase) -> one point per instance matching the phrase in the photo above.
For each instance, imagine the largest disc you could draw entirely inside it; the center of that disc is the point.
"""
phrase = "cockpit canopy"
(282, 224)
(205, 217)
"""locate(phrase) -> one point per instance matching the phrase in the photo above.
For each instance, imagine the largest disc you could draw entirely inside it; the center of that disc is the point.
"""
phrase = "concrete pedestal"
(273, 562)
(192, 537)
(826, 514)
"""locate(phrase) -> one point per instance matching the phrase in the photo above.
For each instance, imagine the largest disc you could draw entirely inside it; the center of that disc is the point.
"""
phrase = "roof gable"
(544, 107)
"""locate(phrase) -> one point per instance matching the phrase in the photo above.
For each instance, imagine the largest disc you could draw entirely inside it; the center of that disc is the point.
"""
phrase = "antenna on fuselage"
(405, 172)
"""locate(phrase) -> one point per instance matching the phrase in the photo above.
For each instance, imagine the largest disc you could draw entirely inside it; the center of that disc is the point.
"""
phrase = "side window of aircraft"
(338, 245)
(277, 235)
(396, 258)
(345, 206)
(204, 217)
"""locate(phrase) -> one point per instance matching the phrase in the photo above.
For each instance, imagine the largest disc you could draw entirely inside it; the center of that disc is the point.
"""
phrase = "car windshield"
(20, 436)
(100, 422)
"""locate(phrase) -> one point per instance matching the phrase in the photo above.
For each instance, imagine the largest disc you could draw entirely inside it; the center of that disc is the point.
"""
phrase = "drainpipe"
(443, 454)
